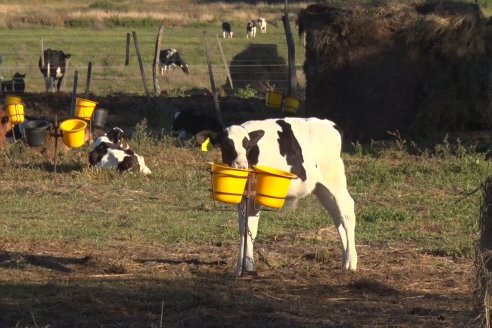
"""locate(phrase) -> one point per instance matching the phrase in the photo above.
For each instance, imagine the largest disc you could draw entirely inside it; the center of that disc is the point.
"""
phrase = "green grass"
(105, 49)
(421, 200)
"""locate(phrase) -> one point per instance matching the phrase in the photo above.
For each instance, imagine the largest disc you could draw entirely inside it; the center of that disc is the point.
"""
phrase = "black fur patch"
(227, 149)
(290, 148)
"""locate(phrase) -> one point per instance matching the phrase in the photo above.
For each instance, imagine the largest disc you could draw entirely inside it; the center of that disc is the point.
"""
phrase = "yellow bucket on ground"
(12, 100)
(228, 183)
(73, 132)
(291, 104)
(15, 113)
(273, 99)
(84, 108)
(272, 186)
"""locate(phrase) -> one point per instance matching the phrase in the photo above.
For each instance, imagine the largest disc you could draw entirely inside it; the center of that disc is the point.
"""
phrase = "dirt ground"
(53, 284)
(62, 285)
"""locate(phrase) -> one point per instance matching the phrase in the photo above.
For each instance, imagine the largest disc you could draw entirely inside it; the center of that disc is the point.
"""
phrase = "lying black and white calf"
(111, 151)
(189, 123)
(307, 147)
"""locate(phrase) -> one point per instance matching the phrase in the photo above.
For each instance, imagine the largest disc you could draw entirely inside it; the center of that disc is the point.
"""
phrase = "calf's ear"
(255, 136)
(201, 136)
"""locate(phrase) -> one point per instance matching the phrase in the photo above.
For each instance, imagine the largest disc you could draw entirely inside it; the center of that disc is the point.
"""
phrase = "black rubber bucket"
(35, 132)
(99, 117)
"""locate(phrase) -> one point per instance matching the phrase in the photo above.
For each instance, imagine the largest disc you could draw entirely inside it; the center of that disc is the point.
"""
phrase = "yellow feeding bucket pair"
(84, 108)
(73, 132)
(272, 186)
(228, 183)
(276, 99)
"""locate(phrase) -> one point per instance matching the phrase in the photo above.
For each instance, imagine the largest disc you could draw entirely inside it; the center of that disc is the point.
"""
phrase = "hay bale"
(416, 68)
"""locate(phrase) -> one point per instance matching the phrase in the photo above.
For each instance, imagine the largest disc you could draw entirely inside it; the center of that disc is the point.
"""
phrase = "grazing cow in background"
(56, 61)
(251, 29)
(111, 151)
(189, 123)
(307, 147)
(262, 24)
(170, 58)
(226, 30)
(17, 84)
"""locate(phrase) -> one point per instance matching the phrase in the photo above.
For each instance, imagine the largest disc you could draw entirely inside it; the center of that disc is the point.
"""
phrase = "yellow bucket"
(15, 113)
(272, 186)
(273, 99)
(73, 132)
(291, 104)
(228, 183)
(12, 100)
(84, 108)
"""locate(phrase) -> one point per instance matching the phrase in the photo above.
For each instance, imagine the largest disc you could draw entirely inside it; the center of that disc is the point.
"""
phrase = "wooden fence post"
(291, 52)
(155, 67)
(212, 81)
(88, 81)
(74, 93)
(141, 65)
(127, 58)
(225, 62)
(64, 82)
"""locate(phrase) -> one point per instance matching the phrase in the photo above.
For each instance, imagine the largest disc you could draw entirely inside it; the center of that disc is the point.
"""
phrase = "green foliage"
(108, 5)
(247, 92)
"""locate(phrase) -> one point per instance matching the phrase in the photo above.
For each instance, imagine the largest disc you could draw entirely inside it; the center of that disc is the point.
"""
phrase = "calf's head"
(117, 136)
(239, 147)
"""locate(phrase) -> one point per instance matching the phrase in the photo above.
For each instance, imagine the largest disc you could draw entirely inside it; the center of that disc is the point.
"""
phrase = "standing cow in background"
(170, 58)
(251, 29)
(226, 30)
(53, 69)
(262, 25)
(307, 147)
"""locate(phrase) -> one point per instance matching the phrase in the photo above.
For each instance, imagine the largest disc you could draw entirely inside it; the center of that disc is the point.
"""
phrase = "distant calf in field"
(262, 25)
(169, 59)
(17, 84)
(54, 68)
(251, 29)
(226, 30)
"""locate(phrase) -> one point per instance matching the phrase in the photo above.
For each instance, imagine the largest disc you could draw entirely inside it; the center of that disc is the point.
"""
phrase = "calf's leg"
(245, 260)
(340, 205)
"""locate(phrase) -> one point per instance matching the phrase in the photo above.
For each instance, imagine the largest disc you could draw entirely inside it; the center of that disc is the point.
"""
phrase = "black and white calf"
(169, 59)
(226, 30)
(262, 25)
(17, 83)
(251, 29)
(55, 62)
(189, 123)
(111, 151)
(307, 147)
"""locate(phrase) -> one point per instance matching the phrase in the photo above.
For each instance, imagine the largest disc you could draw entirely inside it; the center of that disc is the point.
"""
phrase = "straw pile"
(386, 66)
